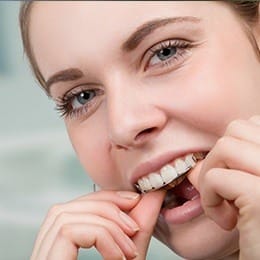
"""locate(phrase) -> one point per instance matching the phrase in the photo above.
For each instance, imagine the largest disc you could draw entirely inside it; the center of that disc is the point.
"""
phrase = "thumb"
(146, 214)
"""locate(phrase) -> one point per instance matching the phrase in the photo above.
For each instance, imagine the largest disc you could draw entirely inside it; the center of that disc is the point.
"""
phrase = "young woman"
(144, 88)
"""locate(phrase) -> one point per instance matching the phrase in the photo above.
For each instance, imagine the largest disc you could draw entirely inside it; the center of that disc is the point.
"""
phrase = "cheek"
(213, 93)
(91, 146)
(214, 102)
(202, 102)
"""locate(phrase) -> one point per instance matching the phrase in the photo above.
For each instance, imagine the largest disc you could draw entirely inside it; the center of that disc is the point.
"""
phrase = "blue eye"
(82, 98)
(79, 102)
(165, 53)
(169, 52)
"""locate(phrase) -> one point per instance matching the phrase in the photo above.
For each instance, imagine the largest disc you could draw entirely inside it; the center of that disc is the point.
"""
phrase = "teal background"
(38, 167)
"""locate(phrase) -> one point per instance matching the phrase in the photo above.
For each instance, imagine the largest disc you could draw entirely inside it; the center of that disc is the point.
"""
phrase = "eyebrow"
(63, 76)
(129, 45)
(149, 27)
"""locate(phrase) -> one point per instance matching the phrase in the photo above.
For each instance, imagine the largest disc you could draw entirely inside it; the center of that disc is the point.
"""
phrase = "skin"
(205, 101)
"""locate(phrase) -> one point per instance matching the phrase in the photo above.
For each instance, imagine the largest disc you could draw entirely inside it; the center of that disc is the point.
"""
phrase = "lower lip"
(184, 213)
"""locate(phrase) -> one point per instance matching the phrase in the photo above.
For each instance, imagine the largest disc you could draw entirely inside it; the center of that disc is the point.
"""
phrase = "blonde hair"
(247, 10)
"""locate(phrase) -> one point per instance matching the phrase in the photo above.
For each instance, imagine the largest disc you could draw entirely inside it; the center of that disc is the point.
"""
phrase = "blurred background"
(38, 167)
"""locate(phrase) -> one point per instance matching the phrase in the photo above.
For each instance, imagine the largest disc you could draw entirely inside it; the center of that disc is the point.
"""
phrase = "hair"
(247, 10)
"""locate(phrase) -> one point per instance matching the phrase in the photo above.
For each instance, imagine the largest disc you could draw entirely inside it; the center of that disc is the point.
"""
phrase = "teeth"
(181, 167)
(190, 160)
(168, 173)
(155, 180)
(144, 184)
(199, 155)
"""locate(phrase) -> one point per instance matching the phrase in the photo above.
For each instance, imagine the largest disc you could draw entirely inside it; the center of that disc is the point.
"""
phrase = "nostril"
(145, 133)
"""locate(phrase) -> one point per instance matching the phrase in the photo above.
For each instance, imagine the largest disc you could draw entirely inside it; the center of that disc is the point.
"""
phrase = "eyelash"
(64, 103)
(181, 46)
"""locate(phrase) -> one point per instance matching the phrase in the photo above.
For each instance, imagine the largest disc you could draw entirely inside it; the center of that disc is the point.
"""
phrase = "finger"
(236, 187)
(255, 119)
(248, 130)
(72, 237)
(146, 214)
(104, 209)
(123, 199)
(123, 241)
(233, 153)
(240, 130)
(103, 203)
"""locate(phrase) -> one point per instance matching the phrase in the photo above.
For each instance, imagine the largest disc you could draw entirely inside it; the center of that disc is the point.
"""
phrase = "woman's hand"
(146, 213)
(103, 219)
(98, 219)
(229, 184)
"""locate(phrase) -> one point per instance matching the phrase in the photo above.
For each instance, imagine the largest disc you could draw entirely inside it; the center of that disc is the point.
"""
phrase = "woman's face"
(139, 81)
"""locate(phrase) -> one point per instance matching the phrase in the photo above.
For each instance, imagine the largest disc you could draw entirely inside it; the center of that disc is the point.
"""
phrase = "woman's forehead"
(112, 16)
(75, 27)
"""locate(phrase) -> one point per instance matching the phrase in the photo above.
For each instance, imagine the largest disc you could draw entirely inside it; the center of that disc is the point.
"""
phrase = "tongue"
(185, 190)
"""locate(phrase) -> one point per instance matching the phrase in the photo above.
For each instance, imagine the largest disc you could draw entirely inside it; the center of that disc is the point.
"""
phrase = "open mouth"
(170, 175)
(180, 194)
(182, 200)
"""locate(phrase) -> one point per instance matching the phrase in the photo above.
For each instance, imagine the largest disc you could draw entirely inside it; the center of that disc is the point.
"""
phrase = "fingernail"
(131, 247)
(128, 195)
(128, 221)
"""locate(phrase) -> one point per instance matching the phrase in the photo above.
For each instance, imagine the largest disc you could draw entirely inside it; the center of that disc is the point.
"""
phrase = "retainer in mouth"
(169, 176)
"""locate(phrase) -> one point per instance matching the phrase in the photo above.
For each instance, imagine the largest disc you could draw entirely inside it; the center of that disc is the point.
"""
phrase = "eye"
(82, 98)
(163, 54)
(79, 102)
(167, 53)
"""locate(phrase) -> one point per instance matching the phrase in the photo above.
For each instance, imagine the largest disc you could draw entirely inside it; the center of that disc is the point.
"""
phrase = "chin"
(199, 239)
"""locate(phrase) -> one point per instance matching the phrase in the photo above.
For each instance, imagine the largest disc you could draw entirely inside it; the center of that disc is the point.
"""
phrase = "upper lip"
(155, 164)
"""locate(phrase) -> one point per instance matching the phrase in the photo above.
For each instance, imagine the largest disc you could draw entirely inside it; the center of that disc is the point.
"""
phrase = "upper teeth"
(168, 173)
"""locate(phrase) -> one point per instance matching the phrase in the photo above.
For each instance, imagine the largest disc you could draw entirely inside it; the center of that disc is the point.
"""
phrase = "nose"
(133, 118)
